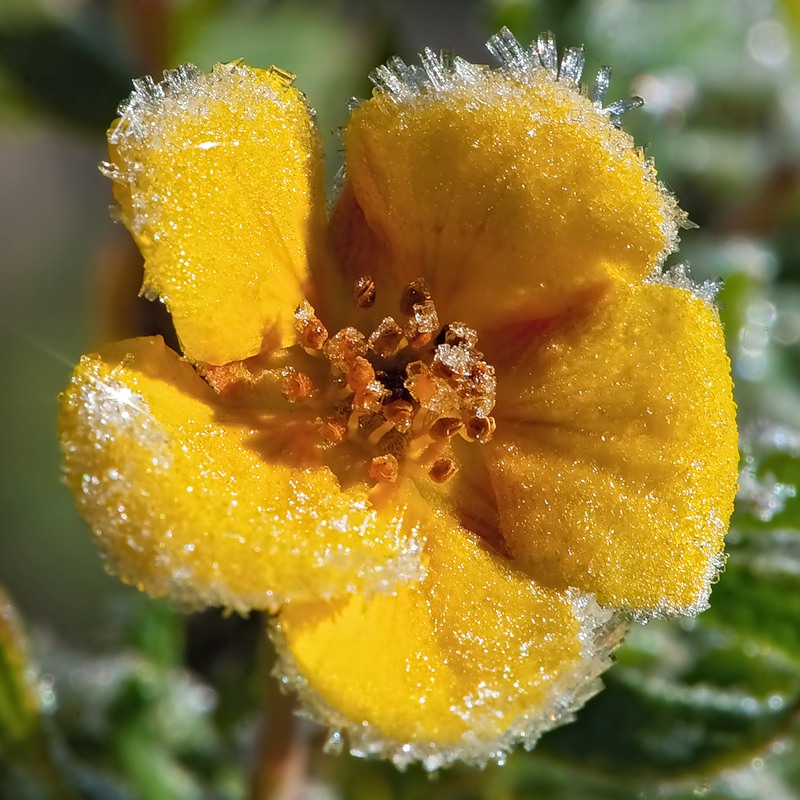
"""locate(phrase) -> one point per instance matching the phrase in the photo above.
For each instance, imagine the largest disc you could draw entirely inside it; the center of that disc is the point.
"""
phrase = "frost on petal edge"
(602, 631)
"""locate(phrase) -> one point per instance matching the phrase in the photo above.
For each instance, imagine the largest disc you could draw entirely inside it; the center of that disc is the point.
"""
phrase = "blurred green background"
(703, 709)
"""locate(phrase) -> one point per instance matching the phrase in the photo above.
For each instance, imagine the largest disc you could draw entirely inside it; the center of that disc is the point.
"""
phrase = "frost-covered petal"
(615, 456)
(509, 192)
(461, 666)
(219, 180)
(184, 501)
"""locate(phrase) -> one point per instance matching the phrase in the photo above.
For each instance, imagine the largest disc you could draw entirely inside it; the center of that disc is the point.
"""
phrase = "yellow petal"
(509, 193)
(615, 455)
(183, 501)
(219, 180)
(461, 666)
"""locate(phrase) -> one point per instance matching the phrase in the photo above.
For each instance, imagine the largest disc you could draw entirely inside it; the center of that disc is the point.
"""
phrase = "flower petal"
(615, 455)
(219, 179)
(183, 502)
(461, 666)
(509, 193)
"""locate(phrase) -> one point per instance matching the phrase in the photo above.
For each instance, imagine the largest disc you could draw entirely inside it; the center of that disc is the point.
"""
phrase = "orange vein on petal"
(182, 501)
(514, 177)
(219, 177)
(615, 457)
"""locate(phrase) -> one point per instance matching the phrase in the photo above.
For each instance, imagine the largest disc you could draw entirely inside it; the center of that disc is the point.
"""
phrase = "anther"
(296, 387)
(360, 374)
(310, 329)
(333, 430)
(399, 413)
(442, 470)
(364, 292)
(441, 369)
(384, 469)
(458, 334)
(421, 385)
(414, 294)
(445, 428)
(480, 429)
(421, 329)
(343, 348)
(386, 339)
(370, 397)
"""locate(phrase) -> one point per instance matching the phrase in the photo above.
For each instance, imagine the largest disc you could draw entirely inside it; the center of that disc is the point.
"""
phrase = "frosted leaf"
(763, 496)
(765, 436)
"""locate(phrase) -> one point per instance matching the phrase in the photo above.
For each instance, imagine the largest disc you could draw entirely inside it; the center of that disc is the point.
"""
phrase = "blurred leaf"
(19, 703)
(758, 596)
(65, 71)
(791, 13)
(687, 702)
(157, 632)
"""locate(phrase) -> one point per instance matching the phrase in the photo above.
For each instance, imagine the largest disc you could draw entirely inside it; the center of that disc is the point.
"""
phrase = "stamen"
(333, 430)
(400, 414)
(312, 332)
(445, 428)
(404, 393)
(370, 397)
(360, 374)
(353, 422)
(364, 292)
(414, 294)
(421, 329)
(227, 379)
(387, 339)
(384, 469)
(480, 429)
(457, 334)
(297, 386)
(420, 383)
(380, 432)
(443, 470)
(418, 445)
(343, 348)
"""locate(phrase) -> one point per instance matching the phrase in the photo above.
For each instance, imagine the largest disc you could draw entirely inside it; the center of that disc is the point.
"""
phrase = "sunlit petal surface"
(505, 190)
(219, 180)
(615, 456)
(183, 502)
(461, 666)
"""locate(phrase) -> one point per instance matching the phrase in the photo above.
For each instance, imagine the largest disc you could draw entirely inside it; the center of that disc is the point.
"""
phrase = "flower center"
(398, 393)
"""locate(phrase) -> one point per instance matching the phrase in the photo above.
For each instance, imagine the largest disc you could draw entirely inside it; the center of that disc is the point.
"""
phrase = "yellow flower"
(453, 434)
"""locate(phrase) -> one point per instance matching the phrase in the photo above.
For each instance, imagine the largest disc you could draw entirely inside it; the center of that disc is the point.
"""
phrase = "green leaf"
(683, 701)
(64, 71)
(157, 633)
(19, 703)
(758, 596)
